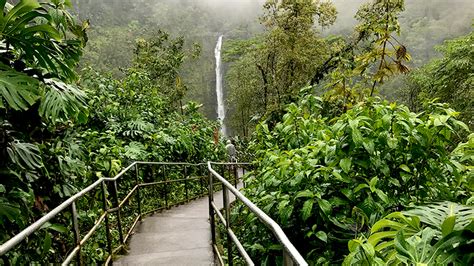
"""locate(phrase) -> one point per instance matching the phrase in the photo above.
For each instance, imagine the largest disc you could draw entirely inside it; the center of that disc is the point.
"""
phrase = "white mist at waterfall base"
(219, 89)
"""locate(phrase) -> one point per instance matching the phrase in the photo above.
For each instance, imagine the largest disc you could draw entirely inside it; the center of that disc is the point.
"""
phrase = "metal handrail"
(14, 241)
(290, 254)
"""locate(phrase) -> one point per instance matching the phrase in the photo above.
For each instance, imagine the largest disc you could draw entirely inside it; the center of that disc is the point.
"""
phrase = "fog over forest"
(115, 24)
(440, 19)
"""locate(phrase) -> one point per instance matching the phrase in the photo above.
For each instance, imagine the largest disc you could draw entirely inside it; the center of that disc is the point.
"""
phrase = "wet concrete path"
(178, 236)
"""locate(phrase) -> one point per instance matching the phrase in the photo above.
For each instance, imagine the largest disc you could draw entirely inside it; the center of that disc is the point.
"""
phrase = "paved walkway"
(179, 236)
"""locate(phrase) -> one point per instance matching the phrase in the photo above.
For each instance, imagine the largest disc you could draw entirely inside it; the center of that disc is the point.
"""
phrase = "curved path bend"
(178, 236)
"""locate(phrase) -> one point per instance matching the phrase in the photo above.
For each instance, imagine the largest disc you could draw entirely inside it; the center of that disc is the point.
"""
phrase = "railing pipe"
(107, 223)
(201, 174)
(236, 175)
(186, 182)
(119, 213)
(165, 188)
(12, 242)
(282, 238)
(287, 261)
(211, 210)
(139, 202)
(225, 199)
(77, 236)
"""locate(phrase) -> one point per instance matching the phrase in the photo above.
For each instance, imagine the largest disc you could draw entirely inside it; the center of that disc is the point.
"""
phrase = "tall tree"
(378, 23)
(281, 61)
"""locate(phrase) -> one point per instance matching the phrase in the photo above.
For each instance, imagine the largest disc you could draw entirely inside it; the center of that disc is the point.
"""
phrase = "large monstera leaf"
(40, 45)
(436, 234)
(32, 32)
(26, 155)
(62, 101)
(18, 90)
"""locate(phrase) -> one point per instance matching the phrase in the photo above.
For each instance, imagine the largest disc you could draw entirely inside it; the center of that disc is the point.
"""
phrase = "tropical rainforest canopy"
(357, 117)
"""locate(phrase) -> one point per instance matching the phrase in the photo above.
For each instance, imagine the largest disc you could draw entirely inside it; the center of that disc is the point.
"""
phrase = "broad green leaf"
(43, 29)
(18, 90)
(360, 187)
(322, 236)
(21, 8)
(56, 227)
(25, 155)
(275, 247)
(46, 244)
(386, 223)
(307, 209)
(405, 168)
(369, 146)
(284, 210)
(304, 194)
(62, 101)
(436, 214)
(8, 210)
(325, 206)
(2, 7)
(353, 244)
(384, 245)
(356, 136)
(350, 259)
(373, 183)
(461, 125)
(257, 247)
(369, 249)
(375, 238)
(382, 195)
(448, 225)
(345, 164)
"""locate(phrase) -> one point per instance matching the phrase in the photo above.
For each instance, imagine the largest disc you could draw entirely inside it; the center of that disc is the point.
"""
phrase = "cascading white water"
(219, 92)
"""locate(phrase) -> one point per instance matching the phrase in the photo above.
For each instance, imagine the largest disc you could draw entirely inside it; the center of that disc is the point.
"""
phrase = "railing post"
(137, 181)
(119, 215)
(107, 224)
(201, 175)
(186, 182)
(287, 260)
(236, 174)
(225, 196)
(223, 174)
(77, 236)
(165, 188)
(211, 210)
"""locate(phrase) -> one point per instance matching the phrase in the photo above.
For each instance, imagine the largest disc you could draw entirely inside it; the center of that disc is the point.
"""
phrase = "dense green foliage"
(58, 137)
(41, 45)
(329, 168)
(350, 170)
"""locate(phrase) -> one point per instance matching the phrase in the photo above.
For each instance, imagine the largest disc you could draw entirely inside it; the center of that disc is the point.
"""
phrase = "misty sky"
(461, 10)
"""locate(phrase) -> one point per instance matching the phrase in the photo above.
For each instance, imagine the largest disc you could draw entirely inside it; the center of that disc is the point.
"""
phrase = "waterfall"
(219, 92)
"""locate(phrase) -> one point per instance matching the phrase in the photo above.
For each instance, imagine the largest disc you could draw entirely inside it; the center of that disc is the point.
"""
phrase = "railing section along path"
(182, 233)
